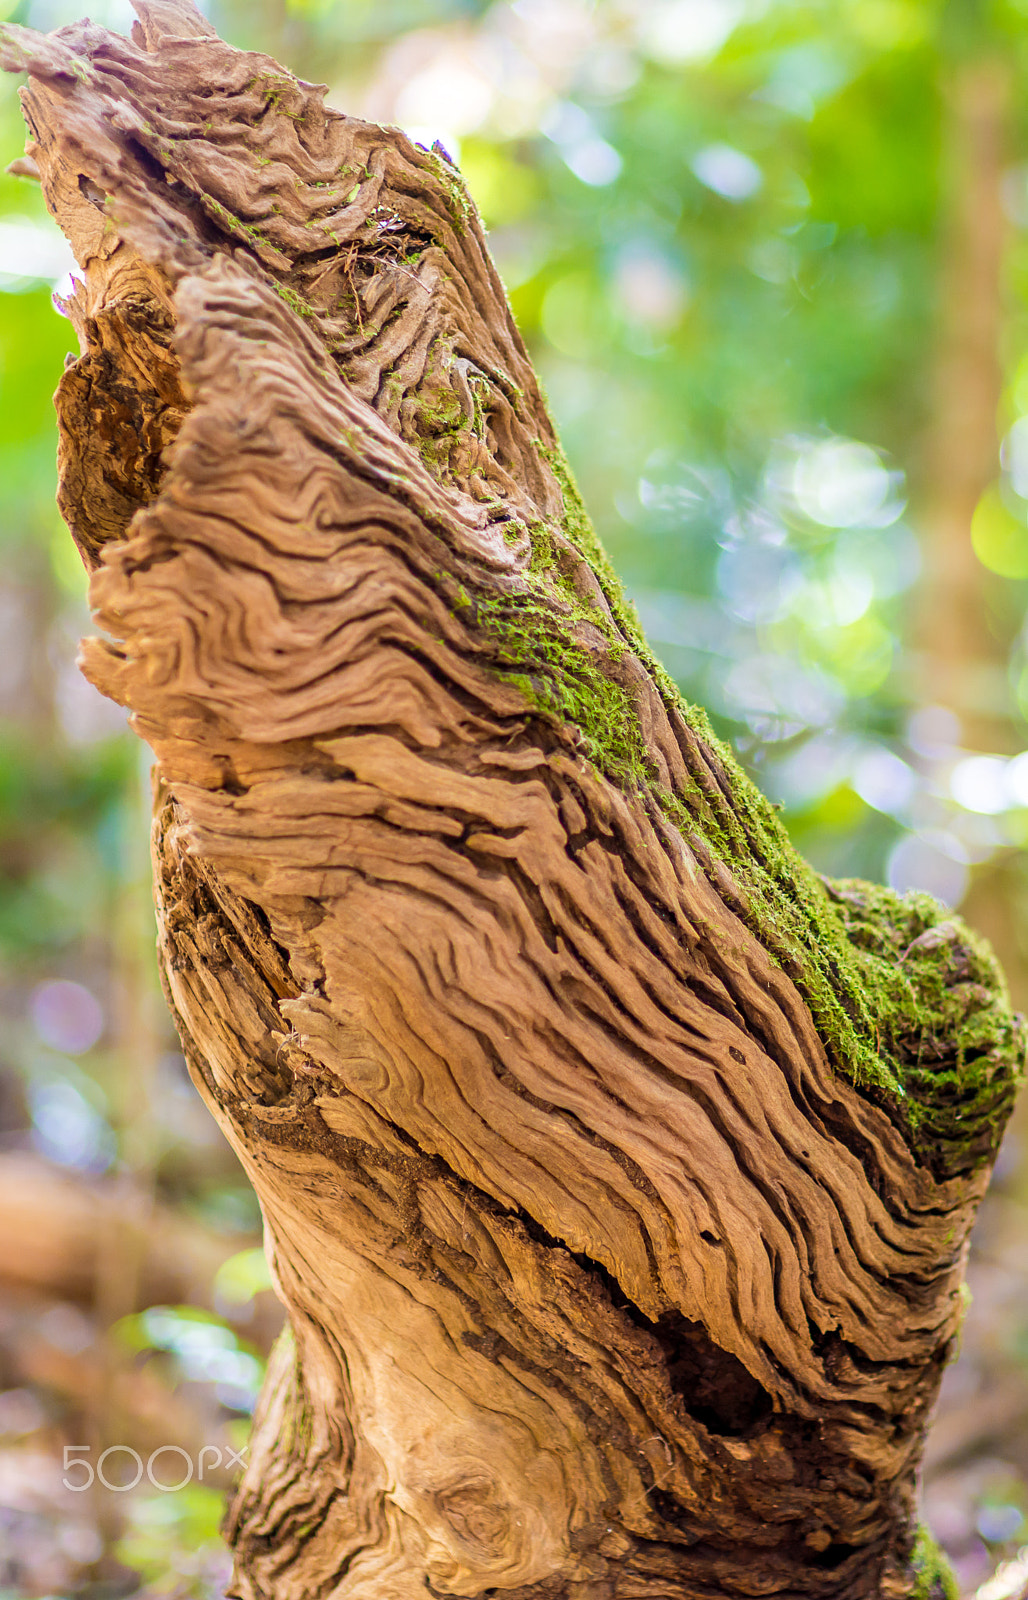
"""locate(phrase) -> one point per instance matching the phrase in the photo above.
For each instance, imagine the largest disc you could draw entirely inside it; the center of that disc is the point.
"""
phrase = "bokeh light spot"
(67, 1129)
(727, 171)
(66, 1016)
(32, 250)
(650, 289)
(1000, 540)
(1014, 456)
(933, 731)
(842, 484)
(979, 783)
(452, 92)
(883, 780)
(569, 314)
(933, 863)
(1017, 779)
(677, 31)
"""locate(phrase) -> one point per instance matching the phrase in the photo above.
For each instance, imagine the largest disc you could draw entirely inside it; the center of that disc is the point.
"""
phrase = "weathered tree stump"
(617, 1172)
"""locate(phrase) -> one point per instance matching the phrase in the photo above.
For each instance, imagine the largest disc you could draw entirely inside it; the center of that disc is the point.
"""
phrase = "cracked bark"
(617, 1173)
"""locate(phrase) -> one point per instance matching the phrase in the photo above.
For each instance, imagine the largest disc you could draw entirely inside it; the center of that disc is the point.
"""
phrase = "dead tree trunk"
(617, 1173)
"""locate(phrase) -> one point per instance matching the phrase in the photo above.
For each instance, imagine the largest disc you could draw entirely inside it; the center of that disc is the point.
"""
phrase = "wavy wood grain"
(605, 1278)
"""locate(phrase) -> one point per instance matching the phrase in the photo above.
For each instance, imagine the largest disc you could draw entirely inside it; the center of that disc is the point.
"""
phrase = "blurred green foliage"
(173, 1542)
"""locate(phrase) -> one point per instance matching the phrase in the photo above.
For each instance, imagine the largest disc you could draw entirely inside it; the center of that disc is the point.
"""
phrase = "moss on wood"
(911, 1004)
(933, 1575)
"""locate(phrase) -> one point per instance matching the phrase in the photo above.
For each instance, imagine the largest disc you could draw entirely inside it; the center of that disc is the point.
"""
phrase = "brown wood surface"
(604, 1279)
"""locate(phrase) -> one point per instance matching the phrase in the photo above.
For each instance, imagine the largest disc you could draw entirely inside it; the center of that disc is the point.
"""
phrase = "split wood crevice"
(617, 1173)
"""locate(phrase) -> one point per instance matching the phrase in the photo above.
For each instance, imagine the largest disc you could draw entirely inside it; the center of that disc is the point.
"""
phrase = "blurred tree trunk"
(53, 1226)
(964, 659)
(617, 1173)
(964, 663)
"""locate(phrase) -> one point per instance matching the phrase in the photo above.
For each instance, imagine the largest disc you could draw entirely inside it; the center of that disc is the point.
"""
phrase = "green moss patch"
(933, 1576)
(910, 1004)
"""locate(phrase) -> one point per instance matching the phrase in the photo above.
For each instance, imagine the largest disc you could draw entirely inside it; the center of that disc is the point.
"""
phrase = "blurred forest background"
(771, 259)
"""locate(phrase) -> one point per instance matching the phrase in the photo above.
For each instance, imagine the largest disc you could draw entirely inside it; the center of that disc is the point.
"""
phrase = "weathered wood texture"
(617, 1174)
